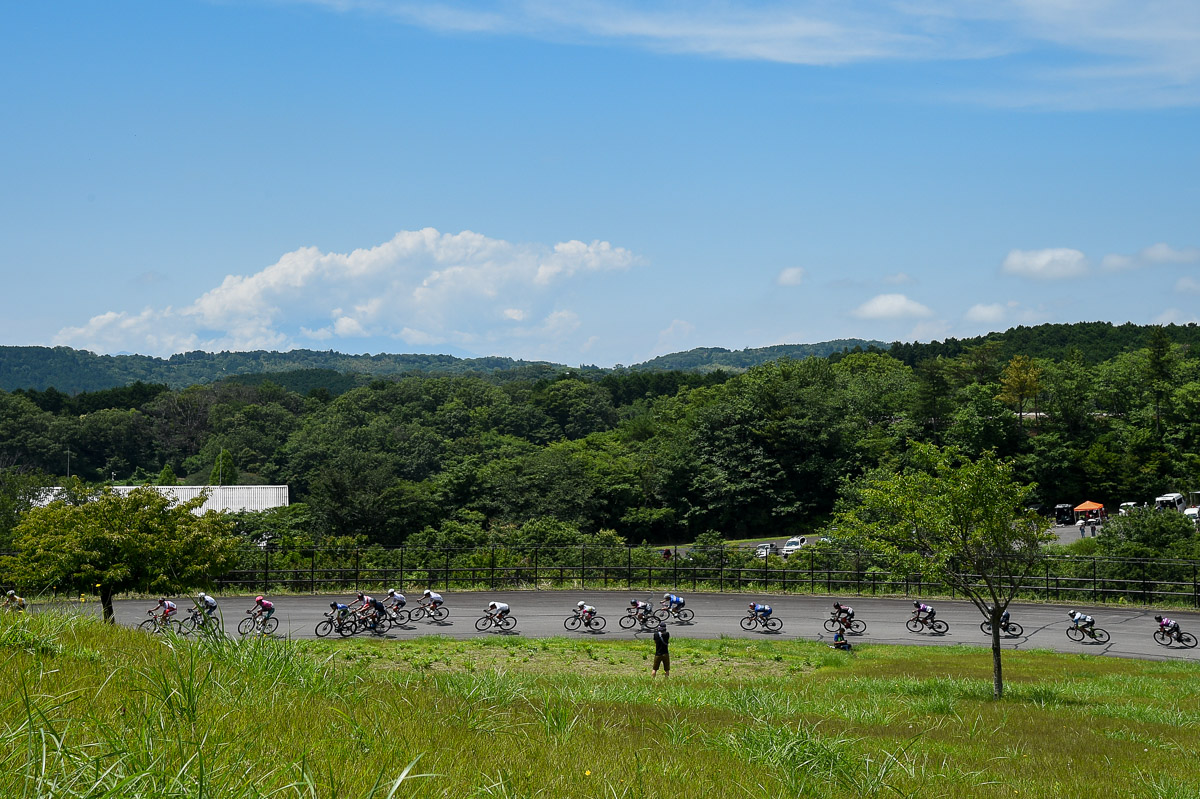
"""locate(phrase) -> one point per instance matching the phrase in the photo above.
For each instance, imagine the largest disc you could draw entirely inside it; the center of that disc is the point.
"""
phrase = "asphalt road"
(541, 614)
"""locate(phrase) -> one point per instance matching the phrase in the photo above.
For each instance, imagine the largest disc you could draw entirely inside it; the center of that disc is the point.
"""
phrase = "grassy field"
(94, 711)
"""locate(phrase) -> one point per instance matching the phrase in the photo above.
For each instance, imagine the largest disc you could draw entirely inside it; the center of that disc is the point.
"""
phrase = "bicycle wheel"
(597, 624)
(1162, 638)
(1100, 635)
(749, 623)
(400, 617)
(831, 625)
(773, 624)
(913, 625)
(245, 626)
(1187, 640)
(1014, 630)
(858, 627)
(627, 621)
(483, 623)
(985, 627)
(939, 627)
(1075, 634)
(270, 625)
(686, 615)
(508, 622)
(148, 626)
(346, 628)
(441, 614)
(187, 626)
(572, 622)
(662, 614)
(417, 614)
(382, 624)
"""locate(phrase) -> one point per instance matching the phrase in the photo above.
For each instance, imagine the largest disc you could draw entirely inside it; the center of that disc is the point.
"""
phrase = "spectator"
(662, 655)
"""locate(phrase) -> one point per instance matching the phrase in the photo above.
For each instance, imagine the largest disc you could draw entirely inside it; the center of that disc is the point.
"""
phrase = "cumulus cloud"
(792, 276)
(990, 313)
(422, 287)
(891, 306)
(1055, 263)
(1152, 256)
(1112, 53)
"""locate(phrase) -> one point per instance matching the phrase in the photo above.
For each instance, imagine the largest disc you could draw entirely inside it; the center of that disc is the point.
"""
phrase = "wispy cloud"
(989, 313)
(1151, 256)
(1110, 52)
(1055, 263)
(423, 288)
(891, 306)
(792, 276)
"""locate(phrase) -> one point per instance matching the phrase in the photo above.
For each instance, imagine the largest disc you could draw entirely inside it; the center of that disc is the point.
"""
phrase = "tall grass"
(97, 711)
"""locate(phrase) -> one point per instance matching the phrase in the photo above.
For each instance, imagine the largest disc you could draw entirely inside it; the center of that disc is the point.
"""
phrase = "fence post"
(629, 568)
(312, 573)
(266, 568)
(1093, 579)
(1145, 585)
(675, 572)
(356, 568)
(812, 575)
(493, 568)
(582, 565)
(536, 585)
(402, 568)
(447, 577)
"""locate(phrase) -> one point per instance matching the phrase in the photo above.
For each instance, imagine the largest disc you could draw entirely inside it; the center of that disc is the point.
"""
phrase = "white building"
(220, 498)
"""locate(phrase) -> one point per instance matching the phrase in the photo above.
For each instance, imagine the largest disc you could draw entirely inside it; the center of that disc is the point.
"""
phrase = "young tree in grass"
(963, 523)
(142, 541)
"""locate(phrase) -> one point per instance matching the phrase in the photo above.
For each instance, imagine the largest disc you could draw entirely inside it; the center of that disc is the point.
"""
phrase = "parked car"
(794, 545)
(762, 550)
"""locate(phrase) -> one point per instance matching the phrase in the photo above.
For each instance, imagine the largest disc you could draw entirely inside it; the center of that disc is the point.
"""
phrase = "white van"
(1173, 501)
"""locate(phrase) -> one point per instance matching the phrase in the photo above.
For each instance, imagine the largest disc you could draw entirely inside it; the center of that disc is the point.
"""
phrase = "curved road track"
(541, 614)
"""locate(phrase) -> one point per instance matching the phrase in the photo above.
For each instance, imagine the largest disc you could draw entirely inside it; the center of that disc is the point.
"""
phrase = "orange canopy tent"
(1089, 505)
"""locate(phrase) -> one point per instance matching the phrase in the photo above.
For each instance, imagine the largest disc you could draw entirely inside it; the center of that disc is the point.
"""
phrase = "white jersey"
(500, 608)
(435, 597)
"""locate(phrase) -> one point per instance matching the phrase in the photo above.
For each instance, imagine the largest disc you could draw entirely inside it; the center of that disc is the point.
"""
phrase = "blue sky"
(592, 182)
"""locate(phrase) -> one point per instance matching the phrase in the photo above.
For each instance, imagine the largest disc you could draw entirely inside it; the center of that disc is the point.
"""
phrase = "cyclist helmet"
(633, 602)
(1158, 618)
(12, 593)
(579, 604)
(666, 596)
(359, 594)
(162, 600)
(837, 605)
(391, 592)
(333, 605)
(426, 592)
(916, 604)
(491, 604)
(258, 599)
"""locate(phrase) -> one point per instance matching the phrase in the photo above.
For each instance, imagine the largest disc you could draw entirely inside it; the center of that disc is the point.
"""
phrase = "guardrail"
(1056, 577)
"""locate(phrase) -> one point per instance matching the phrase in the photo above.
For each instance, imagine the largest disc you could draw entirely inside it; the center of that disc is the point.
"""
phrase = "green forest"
(1092, 411)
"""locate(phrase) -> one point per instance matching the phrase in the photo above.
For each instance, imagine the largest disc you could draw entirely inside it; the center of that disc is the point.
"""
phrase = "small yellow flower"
(587, 773)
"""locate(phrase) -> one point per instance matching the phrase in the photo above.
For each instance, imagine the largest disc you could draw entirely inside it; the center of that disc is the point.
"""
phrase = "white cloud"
(1174, 316)
(1055, 263)
(1152, 256)
(792, 276)
(1102, 53)
(1187, 285)
(422, 287)
(891, 306)
(985, 314)
(898, 279)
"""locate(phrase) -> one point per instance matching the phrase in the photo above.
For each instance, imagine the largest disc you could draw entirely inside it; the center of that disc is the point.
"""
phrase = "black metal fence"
(811, 571)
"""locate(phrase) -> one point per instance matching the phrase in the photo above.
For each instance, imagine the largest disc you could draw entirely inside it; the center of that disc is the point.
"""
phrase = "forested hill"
(704, 359)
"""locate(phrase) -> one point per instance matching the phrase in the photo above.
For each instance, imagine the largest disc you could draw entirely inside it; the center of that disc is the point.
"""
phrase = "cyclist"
(206, 604)
(761, 612)
(845, 613)
(1169, 626)
(921, 608)
(339, 611)
(585, 611)
(168, 607)
(433, 598)
(14, 602)
(496, 611)
(1004, 617)
(672, 603)
(1083, 621)
(263, 609)
(640, 609)
(396, 598)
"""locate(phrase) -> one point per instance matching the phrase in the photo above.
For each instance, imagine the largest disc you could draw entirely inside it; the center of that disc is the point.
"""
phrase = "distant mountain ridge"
(72, 371)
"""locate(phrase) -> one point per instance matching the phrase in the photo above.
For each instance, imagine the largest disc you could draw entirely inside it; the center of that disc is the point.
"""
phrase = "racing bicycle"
(257, 624)
(156, 624)
(918, 623)
(199, 621)
(1010, 630)
(486, 622)
(595, 623)
(1077, 633)
(1165, 638)
(752, 620)
(684, 615)
(440, 613)
(852, 626)
(344, 626)
(632, 617)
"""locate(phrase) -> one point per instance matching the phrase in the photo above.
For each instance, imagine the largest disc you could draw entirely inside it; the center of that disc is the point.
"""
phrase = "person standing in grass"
(662, 653)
